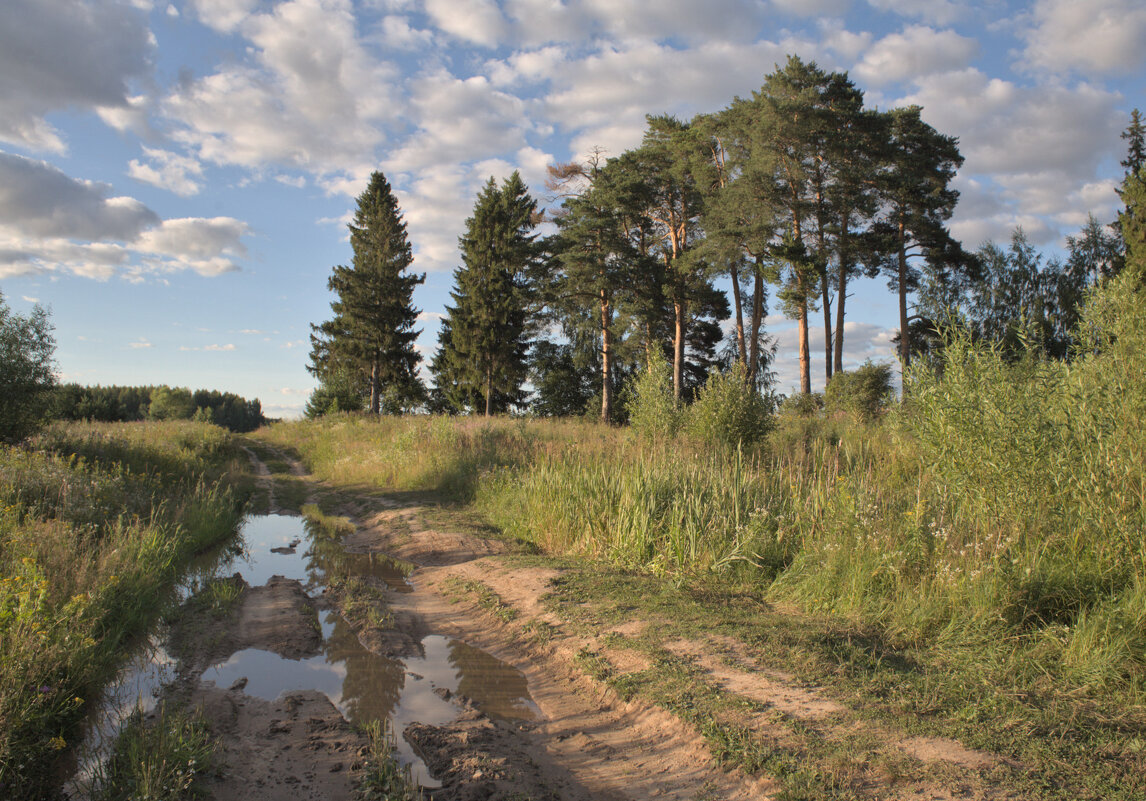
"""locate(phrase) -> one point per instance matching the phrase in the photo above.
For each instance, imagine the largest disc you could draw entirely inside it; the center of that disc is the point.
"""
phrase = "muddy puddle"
(364, 686)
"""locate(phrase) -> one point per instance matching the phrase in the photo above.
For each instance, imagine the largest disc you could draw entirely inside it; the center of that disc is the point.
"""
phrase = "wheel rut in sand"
(580, 740)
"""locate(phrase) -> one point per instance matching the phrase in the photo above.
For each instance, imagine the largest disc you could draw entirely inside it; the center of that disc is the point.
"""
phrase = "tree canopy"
(482, 344)
(371, 337)
(27, 377)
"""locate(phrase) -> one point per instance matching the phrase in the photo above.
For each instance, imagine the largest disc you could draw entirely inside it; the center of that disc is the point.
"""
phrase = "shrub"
(26, 377)
(865, 392)
(653, 411)
(336, 393)
(728, 411)
(802, 404)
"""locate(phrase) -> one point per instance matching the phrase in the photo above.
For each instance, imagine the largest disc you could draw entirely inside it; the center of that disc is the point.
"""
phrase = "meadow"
(97, 523)
(988, 528)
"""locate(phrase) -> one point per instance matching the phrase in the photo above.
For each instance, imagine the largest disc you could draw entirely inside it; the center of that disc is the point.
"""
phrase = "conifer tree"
(670, 157)
(915, 190)
(793, 122)
(372, 334)
(594, 267)
(1135, 136)
(482, 346)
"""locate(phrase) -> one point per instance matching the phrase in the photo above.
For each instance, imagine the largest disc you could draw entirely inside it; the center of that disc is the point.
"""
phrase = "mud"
(484, 709)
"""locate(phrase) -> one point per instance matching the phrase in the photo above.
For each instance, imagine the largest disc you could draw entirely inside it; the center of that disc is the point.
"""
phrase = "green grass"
(485, 597)
(382, 778)
(157, 759)
(1073, 748)
(974, 560)
(96, 524)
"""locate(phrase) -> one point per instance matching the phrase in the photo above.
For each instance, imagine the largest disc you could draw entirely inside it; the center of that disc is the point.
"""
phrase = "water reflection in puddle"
(269, 552)
(363, 685)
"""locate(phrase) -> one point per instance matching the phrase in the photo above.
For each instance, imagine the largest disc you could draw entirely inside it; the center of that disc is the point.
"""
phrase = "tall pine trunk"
(375, 386)
(756, 322)
(842, 293)
(488, 388)
(739, 315)
(825, 284)
(606, 359)
(805, 354)
(825, 294)
(678, 351)
(904, 336)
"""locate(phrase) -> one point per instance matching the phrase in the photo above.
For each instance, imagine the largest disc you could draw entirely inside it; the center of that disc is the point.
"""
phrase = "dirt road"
(578, 740)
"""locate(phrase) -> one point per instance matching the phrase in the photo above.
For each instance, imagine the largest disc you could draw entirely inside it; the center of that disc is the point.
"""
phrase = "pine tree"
(594, 267)
(1132, 223)
(482, 346)
(1135, 136)
(669, 161)
(372, 334)
(915, 190)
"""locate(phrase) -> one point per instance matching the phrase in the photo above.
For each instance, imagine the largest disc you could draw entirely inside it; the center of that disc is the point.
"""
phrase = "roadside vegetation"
(97, 522)
(984, 533)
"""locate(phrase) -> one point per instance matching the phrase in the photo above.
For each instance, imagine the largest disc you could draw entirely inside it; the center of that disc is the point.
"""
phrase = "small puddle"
(282, 545)
(363, 685)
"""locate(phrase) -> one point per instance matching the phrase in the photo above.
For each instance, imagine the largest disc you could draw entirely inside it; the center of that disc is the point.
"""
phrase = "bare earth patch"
(297, 747)
(940, 749)
(771, 689)
(586, 742)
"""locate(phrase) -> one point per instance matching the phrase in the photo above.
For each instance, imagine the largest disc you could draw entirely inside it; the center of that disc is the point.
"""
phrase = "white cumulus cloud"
(916, 52)
(60, 54)
(309, 95)
(167, 170)
(1098, 36)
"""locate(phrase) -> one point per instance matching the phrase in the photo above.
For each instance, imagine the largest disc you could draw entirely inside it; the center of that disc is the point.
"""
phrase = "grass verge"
(96, 524)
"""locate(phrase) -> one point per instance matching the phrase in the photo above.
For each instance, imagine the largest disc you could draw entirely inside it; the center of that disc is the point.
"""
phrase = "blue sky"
(175, 178)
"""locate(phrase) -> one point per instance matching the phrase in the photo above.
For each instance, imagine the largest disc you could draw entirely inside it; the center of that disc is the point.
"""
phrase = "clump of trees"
(784, 197)
(115, 404)
(27, 375)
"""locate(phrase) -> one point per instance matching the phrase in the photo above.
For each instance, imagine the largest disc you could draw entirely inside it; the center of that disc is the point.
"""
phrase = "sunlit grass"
(96, 523)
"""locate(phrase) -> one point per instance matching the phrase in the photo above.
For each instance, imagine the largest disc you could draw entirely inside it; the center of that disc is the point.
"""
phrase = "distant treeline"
(124, 404)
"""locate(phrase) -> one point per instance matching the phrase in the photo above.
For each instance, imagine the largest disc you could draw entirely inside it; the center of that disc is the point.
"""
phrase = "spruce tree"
(482, 346)
(372, 334)
(1135, 136)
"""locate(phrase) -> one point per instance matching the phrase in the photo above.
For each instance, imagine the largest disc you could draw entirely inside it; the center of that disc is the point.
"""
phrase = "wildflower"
(45, 689)
(57, 743)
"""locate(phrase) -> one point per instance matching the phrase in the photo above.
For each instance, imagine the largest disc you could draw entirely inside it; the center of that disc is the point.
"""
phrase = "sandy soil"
(586, 744)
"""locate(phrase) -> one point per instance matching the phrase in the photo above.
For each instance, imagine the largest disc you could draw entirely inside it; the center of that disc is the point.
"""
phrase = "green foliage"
(157, 759)
(560, 388)
(372, 333)
(126, 404)
(865, 392)
(653, 411)
(482, 345)
(171, 403)
(383, 779)
(802, 404)
(336, 392)
(26, 371)
(96, 525)
(1132, 222)
(728, 411)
